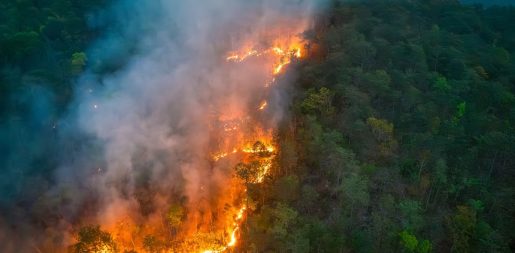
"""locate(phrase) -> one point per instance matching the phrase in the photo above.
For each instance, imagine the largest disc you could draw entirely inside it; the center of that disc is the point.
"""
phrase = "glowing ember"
(104, 249)
(219, 156)
(269, 149)
(240, 58)
(279, 67)
(263, 105)
(263, 171)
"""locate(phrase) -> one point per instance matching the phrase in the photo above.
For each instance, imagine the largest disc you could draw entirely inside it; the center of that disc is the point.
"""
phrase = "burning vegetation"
(253, 144)
(165, 126)
(248, 142)
(169, 129)
(240, 153)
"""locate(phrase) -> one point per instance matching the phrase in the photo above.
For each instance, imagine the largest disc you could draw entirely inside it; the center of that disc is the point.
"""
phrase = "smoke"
(139, 133)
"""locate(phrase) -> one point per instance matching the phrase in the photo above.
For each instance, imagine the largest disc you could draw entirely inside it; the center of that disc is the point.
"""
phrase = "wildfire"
(104, 249)
(283, 56)
(219, 156)
(264, 148)
(208, 123)
(236, 228)
(239, 58)
(240, 138)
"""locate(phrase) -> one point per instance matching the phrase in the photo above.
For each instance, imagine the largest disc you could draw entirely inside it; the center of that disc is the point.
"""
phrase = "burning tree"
(248, 172)
(174, 217)
(93, 239)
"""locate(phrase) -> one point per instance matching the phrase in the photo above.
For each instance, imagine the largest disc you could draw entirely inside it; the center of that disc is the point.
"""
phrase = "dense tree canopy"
(404, 132)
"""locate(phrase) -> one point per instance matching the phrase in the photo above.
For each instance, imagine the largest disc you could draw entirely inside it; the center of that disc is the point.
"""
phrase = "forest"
(398, 136)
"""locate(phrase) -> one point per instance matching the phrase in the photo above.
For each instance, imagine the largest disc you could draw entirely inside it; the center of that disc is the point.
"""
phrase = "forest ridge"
(400, 136)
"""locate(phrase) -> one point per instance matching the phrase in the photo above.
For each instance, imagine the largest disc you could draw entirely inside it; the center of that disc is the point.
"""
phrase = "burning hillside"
(248, 141)
(240, 152)
(179, 131)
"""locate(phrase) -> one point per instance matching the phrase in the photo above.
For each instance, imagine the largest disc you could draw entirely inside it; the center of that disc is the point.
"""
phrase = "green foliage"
(462, 226)
(286, 188)
(92, 239)
(404, 111)
(282, 218)
(408, 241)
(355, 191)
(378, 83)
(78, 62)
(424, 246)
(442, 84)
(460, 111)
(382, 129)
(23, 43)
(411, 211)
(318, 102)
(383, 133)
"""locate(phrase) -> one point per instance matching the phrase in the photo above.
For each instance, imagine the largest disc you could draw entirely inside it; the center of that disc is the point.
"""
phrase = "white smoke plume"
(146, 104)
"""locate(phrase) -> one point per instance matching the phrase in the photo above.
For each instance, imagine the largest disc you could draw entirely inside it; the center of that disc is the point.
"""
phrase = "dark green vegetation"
(41, 52)
(402, 137)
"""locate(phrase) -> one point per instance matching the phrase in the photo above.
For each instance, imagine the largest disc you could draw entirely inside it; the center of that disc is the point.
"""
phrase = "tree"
(282, 218)
(318, 102)
(378, 83)
(93, 239)
(424, 246)
(460, 112)
(286, 188)
(78, 62)
(462, 226)
(411, 214)
(383, 133)
(248, 172)
(355, 192)
(152, 244)
(174, 216)
(408, 241)
(441, 84)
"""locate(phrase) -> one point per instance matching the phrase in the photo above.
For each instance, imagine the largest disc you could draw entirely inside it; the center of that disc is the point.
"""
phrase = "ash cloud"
(137, 134)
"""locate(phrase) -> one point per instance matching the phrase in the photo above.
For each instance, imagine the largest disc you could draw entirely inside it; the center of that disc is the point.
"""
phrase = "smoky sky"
(140, 117)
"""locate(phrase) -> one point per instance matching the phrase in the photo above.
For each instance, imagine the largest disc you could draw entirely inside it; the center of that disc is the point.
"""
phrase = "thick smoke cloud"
(139, 132)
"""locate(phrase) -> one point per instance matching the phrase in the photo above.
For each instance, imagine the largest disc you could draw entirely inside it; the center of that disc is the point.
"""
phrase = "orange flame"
(263, 105)
(238, 143)
(281, 56)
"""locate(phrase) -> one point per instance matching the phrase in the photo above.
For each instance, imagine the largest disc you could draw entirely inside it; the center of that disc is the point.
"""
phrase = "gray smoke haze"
(138, 133)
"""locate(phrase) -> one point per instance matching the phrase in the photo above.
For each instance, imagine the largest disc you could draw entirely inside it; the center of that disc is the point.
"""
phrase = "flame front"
(240, 133)
(261, 141)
